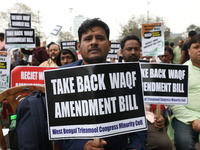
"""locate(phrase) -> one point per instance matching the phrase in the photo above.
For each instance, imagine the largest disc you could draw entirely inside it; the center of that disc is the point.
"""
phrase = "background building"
(77, 22)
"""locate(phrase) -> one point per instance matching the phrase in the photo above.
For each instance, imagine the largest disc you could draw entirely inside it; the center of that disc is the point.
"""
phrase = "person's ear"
(110, 45)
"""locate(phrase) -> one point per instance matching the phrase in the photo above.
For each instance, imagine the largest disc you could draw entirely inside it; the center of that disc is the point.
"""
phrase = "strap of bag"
(38, 113)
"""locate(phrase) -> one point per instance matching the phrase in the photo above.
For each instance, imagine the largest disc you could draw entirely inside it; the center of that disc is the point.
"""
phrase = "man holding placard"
(94, 45)
(130, 50)
(39, 54)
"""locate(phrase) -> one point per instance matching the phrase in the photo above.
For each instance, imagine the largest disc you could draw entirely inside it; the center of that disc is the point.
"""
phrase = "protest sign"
(23, 38)
(55, 31)
(165, 83)
(5, 59)
(19, 20)
(152, 39)
(28, 75)
(115, 47)
(68, 44)
(94, 101)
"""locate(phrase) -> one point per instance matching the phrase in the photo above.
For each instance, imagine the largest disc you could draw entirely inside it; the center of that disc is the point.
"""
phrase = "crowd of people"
(183, 129)
(42, 55)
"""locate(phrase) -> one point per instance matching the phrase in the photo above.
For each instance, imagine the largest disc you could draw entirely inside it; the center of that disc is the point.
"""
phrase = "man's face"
(194, 52)
(53, 51)
(166, 58)
(94, 46)
(131, 51)
(180, 43)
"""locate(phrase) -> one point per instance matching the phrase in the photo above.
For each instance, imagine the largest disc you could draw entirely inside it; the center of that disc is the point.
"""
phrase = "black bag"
(13, 139)
(32, 131)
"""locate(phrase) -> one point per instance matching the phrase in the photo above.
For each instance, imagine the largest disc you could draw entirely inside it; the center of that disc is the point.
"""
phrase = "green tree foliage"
(65, 36)
(133, 26)
(21, 8)
(175, 40)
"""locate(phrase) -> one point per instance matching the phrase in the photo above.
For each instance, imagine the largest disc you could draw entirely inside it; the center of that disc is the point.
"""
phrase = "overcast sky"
(178, 14)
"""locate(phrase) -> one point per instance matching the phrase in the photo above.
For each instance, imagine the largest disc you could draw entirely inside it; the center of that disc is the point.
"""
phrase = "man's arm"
(28, 52)
(183, 52)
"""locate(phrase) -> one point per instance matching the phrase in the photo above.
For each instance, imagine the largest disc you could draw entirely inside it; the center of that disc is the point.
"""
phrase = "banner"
(23, 38)
(165, 83)
(20, 20)
(5, 62)
(115, 47)
(94, 101)
(153, 39)
(68, 44)
(28, 75)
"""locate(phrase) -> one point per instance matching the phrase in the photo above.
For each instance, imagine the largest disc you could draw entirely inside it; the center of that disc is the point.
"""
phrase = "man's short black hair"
(171, 44)
(53, 43)
(166, 43)
(2, 34)
(50, 44)
(194, 39)
(89, 24)
(192, 33)
(129, 37)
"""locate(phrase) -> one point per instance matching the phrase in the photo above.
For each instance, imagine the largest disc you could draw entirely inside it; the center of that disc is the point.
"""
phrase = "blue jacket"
(137, 140)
